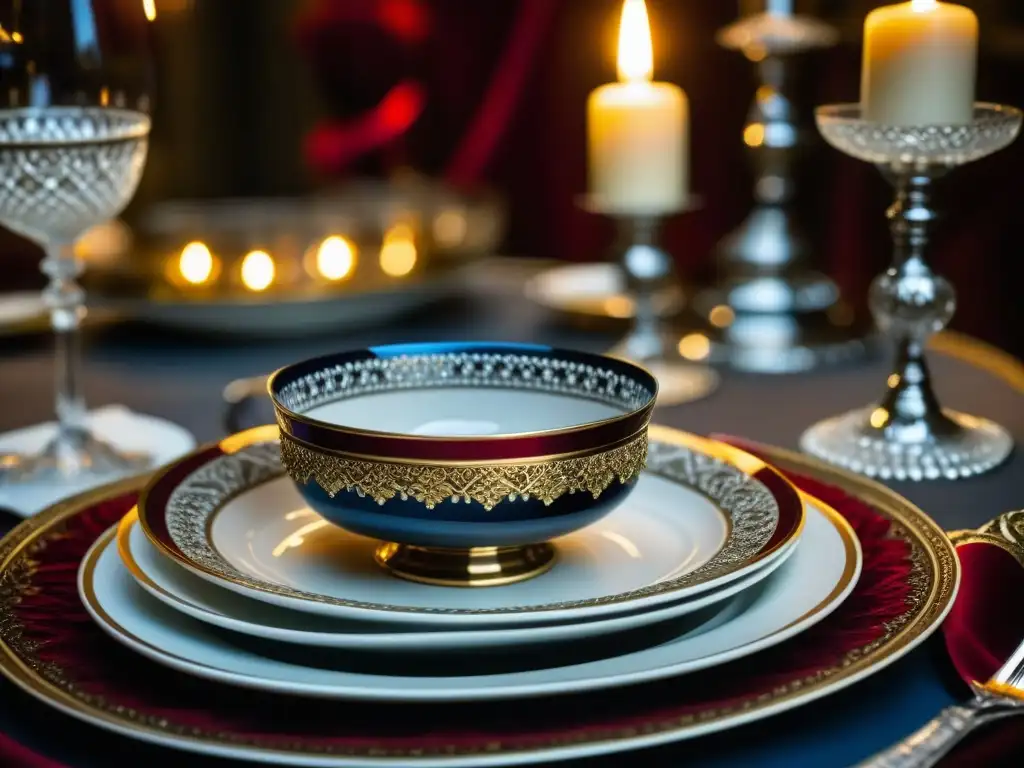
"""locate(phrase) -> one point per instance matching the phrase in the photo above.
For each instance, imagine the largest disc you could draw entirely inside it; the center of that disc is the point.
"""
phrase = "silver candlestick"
(771, 310)
(907, 436)
(652, 341)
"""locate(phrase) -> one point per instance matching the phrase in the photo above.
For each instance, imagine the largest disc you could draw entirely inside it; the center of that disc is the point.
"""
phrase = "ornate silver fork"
(1002, 696)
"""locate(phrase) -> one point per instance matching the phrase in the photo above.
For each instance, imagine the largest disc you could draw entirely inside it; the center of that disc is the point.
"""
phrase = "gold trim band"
(485, 484)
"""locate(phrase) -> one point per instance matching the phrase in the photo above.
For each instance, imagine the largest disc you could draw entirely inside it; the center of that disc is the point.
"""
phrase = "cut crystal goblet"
(908, 435)
(73, 144)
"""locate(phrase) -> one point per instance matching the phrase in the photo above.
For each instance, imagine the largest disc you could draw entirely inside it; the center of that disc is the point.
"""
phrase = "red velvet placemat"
(50, 630)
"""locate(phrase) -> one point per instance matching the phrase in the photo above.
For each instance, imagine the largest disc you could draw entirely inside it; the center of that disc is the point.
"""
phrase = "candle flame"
(195, 263)
(923, 5)
(335, 258)
(257, 270)
(636, 53)
(149, 8)
(694, 346)
(398, 255)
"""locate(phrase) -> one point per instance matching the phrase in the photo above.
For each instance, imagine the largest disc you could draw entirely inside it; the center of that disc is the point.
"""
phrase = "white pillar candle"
(637, 130)
(920, 63)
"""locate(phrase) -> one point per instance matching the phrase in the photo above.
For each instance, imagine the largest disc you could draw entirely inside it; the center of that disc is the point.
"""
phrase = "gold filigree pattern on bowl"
(485, 484)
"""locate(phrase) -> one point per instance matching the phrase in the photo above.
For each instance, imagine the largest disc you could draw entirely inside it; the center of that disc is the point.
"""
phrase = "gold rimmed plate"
(139, 703)
(806, 589)
(186, 594)
(703, 515)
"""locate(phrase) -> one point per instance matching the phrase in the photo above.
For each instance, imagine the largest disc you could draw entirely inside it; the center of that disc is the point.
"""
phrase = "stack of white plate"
(223, 572)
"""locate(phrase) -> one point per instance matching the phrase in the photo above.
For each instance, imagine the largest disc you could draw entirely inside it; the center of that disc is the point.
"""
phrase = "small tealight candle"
(920, 63)
(637, 130)
(258, 271)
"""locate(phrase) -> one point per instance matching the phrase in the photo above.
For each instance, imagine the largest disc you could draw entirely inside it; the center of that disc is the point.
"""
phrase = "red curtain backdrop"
(495, 93)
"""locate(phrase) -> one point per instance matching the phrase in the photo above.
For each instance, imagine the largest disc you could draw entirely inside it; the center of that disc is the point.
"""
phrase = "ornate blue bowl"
(466, 458)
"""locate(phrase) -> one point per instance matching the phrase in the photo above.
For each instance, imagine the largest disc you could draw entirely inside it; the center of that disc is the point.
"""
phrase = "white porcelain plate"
(809, 586)
(702, 516)
(184, 592)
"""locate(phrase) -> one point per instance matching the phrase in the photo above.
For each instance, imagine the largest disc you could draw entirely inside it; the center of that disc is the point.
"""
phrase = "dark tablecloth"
(181, 378)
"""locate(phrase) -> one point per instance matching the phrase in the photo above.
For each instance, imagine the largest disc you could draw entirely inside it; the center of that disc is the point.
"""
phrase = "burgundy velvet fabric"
(985, 625)
(53, 616)
(398, 33)
(981, 632)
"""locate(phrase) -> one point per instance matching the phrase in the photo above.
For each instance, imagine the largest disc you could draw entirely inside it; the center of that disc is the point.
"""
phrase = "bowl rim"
(628, 367)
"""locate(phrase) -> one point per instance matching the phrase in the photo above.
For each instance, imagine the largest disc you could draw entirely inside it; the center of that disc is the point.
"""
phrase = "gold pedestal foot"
(476, 567)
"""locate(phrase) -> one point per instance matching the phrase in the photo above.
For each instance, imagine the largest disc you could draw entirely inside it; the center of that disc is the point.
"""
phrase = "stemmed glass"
(74, 128)
(908, 435)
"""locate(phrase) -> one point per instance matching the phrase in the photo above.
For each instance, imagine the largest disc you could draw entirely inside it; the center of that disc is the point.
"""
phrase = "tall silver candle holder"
(908, 436)
(772, 310)
(649, 275)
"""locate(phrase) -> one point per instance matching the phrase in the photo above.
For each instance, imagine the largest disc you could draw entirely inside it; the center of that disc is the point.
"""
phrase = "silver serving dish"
(361, 255)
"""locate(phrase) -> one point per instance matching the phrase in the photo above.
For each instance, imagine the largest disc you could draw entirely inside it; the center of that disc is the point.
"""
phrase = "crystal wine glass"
(74, 97)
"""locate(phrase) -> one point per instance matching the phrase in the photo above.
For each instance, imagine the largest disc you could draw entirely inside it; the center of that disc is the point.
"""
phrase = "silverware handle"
(935, 739)
(930, 743)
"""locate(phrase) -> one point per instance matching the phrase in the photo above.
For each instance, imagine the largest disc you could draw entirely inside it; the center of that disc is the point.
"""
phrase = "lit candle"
(398, 254)
(258, 270)
(196, 263)
(637, 130)
(334, 258)
(920, 61)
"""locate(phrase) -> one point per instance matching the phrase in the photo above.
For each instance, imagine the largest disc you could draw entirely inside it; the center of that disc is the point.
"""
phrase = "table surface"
(181, 378)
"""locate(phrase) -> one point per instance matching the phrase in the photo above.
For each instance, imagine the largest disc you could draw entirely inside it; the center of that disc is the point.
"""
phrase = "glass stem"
(644, 278)
(648, 269)
(910, 303)
(66, 301)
